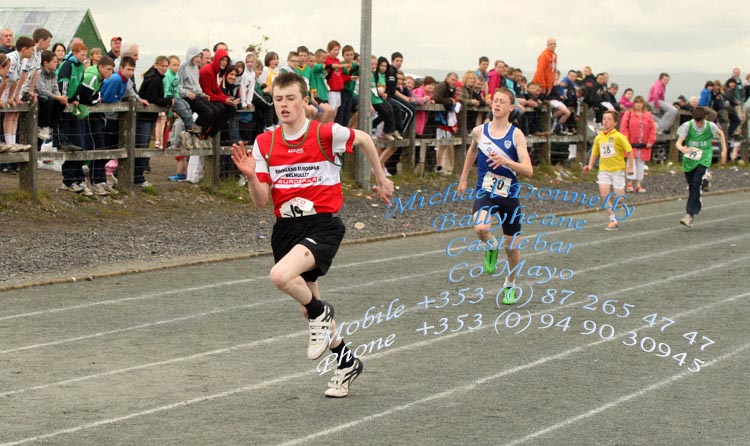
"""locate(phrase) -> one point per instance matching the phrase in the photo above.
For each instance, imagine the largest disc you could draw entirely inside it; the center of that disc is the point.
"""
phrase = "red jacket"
(639, 130)
(210, 79)
(335, 77)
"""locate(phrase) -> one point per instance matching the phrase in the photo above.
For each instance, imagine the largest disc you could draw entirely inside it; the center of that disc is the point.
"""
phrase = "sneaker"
(339, 385)
(397, 135)
(72, 188)
(107, 188)
(388, 137)
(86, 190)
(157, 145)
(440, 171)
(705, 184)
(320, 328)
(4, 147)
(187, 140)
(612, 226)
(177, 177)
(98, 190)
(687, 220)
(509, 295)
(490, 261)
(19, 148)
(194, 129)
(144, 184)
(385, 171)
(44, 133)
(112, 180)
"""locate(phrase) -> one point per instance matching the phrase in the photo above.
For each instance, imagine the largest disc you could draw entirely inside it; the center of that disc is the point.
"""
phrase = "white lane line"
(701, 270)
(365, 284)
(473, 385)
(236, 282)
(412, 346)
(624, 399)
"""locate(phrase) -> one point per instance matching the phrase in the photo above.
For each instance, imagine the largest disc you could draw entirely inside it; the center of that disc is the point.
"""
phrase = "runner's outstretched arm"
(246, 164)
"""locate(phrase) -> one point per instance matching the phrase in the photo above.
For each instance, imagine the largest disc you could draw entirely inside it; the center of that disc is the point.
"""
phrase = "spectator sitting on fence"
(19, 65)
(51, 102)
(423, 95)
(403, 106)
(656, 98)
(180, 107)
(481, 71)
(191, 91)
(534, 101)
(560, 111)
(89, 94)
(706, 101)
(4, 69)
(626, 100)
(385, 111)
(231, 88)
(211, 79)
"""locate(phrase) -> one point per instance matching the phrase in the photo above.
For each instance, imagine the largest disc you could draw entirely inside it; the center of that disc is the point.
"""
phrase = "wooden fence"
(127, 152)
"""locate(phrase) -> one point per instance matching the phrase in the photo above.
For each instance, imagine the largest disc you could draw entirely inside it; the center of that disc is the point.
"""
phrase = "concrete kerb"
(234, 257)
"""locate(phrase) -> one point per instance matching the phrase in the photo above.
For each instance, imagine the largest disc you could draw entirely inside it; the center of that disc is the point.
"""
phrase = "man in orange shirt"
(546, 64)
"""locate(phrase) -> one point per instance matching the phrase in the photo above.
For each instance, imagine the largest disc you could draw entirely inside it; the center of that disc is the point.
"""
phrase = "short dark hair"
(396, 55)
(126, 61)
(23, 42)
(41, 34)
(484, 59)
(284, 80)
(48, 56)
(429, 80)
(219, 43)
(107, 61)
(302, 49)
(699, 114)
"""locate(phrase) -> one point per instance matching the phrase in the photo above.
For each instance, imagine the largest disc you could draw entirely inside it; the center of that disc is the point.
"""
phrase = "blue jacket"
(705, 99)
(113, 89)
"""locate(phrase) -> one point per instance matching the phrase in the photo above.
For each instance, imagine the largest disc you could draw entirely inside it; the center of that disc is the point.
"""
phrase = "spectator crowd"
(206, 93)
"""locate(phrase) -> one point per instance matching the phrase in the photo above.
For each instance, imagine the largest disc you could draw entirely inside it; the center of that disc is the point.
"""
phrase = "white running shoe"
(339, 385)
(320, 329)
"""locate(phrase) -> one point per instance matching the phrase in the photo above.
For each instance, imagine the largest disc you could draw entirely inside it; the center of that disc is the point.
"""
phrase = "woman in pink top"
(626, 101)
(423, 95)
(638, 126)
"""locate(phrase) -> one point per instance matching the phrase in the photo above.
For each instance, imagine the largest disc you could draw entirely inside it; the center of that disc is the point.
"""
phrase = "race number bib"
(607, 150)
(496, 184)
(694, 154)
(297, 207)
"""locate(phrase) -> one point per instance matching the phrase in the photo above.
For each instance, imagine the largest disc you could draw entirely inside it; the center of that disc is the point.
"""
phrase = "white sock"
(492, 243)
(613, 218)
(508, 283)
(8, 138)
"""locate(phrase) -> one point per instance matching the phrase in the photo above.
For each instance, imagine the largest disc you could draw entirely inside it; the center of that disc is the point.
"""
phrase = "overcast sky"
(644, 36)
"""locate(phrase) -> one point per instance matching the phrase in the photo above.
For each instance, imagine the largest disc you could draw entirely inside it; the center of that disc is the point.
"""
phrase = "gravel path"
(66, 235)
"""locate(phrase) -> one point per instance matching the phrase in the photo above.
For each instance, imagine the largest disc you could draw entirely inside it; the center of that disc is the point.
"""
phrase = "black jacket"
(152, 90)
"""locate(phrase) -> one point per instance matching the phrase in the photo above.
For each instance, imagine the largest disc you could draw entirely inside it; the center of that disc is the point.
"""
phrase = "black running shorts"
(504, 207)
(321, 234)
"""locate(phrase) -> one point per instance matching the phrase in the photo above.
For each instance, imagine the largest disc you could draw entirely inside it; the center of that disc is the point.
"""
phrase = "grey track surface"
(213, 354)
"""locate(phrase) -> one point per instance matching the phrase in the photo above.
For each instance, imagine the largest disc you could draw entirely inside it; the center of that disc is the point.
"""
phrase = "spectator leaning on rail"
(445, 94)
(656, 98)
(546, 65)
(398, 100)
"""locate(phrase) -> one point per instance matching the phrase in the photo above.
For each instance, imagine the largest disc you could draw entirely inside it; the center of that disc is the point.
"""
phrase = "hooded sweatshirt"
(189, 74)
(69, 76)
(211, 78)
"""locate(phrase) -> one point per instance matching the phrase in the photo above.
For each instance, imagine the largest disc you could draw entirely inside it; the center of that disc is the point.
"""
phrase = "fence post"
(459, 151)
(408, 158)
(744, 147)
(28, 179)
(126, 166)
(582, 125)
(672, 154)
(212, 163)
(546, 152)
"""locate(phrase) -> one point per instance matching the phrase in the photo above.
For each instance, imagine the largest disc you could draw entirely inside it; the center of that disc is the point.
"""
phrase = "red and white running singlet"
(304, 173)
